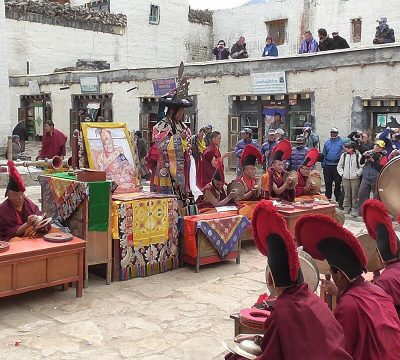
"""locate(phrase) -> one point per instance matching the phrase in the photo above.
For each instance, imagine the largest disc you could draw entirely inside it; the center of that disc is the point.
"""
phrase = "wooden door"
(233, 138)
(145, 128)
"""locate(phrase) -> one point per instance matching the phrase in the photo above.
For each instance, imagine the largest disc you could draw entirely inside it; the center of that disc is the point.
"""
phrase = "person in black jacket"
(384, 34)
(20, 130)
(361, 139)
(325, 42)
(338, 41)
(220, 51)
(238, 50)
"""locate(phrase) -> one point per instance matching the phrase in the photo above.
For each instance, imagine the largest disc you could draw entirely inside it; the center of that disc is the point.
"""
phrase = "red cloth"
(301, 327)
(207, 170)
(300, 185)
(190, 228)
(53, 145)
(11, 220)
(389, 281)
(370, 323)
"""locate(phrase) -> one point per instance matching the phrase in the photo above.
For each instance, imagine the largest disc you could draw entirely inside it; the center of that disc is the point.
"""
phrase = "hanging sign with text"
(163, 87)
(268, 83)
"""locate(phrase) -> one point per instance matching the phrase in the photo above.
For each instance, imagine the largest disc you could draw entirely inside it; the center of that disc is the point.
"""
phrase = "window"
(277, 29)
(356, 30)
(154, 15)
(100, 5)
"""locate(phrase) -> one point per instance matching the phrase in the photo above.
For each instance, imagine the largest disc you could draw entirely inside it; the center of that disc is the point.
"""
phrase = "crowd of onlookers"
(384, 35)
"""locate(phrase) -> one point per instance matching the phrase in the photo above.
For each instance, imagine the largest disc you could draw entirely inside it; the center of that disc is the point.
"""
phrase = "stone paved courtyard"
(175, 315)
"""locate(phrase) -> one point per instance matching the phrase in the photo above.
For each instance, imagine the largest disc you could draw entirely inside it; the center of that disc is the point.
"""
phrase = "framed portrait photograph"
(109, 148)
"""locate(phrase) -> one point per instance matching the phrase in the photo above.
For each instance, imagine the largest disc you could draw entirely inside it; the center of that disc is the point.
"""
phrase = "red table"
(32, 264)
(292, 216)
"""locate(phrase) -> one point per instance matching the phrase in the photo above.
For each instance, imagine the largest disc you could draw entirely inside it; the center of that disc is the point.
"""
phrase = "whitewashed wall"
(47, 47)
(249, 21)
(199, 43)
(5, 127)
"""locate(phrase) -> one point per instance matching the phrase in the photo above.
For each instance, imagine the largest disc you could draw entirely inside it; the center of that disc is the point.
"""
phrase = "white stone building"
(354, 19)
(349, 89)
(5, 125)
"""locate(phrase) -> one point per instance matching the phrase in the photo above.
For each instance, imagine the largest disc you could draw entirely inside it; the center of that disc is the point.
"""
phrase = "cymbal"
(240, 191)
(295, 179)
(374, 260)
(315, 181)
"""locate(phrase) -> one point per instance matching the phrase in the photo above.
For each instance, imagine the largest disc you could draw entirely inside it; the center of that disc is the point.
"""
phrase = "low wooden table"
(32, 264)
(292, 216)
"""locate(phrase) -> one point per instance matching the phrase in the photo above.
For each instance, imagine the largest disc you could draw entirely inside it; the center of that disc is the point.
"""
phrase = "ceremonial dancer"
(279, 187)
(171, 137)
(300, 326)
(380, 228)
(366, 312)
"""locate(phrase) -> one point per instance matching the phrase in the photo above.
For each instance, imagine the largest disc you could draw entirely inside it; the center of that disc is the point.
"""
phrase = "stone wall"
(338, 81)
(5, 121)
(199, 42)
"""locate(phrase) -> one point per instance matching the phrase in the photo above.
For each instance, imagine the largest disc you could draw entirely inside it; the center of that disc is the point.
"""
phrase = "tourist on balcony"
(338, 41)
(238, 50)
(384, 34)
(221, 52)
(325, 42)
(309, 44)
(270, 48)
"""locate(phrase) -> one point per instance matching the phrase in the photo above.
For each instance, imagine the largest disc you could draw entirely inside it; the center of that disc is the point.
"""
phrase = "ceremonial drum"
(374, 260)
(388, 186)
(254, 318)
(240, 191)
(308, 267)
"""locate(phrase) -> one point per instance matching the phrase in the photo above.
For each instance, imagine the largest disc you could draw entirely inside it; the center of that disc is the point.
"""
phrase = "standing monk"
(171, 137)
(17, 212)
(380, 228)
(300, 326)
(369, 320)
(53, 142)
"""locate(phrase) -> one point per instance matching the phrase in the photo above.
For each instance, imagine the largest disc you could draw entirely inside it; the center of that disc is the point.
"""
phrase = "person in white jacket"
(350, 169)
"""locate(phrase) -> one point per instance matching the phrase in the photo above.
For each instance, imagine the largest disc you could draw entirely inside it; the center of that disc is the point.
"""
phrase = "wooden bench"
(32, 264)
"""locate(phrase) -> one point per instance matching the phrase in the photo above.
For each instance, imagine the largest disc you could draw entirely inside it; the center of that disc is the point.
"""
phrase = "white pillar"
(5, 122)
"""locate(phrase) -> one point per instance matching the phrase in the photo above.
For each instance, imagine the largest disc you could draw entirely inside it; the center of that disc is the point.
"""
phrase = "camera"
(357, 136)
(397, 136)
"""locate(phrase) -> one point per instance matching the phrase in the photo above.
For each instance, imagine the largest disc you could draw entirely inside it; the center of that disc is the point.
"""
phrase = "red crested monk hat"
(251, 155)
(274, 240)
(380, 228)
(282, 151)
(15, 182)
(311, 158)
(219, 174)
(324, 238)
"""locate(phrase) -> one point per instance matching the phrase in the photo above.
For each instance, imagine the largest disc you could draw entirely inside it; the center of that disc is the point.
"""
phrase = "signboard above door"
(163, 86)
(90, 85)
(268, 83)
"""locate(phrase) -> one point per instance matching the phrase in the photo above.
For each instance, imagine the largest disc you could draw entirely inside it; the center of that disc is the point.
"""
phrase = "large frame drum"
(388, 186)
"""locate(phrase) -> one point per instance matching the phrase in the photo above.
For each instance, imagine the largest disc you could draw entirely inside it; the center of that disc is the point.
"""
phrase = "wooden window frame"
(277, 29)
(154, 19)
(356, 26)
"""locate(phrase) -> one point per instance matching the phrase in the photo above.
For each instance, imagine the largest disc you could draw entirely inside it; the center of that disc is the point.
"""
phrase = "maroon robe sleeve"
(389, 281)
(300, 185)
(45, 146)
(9, 221)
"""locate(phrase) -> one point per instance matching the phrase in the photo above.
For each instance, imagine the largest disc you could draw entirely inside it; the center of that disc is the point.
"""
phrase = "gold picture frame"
(109, 148)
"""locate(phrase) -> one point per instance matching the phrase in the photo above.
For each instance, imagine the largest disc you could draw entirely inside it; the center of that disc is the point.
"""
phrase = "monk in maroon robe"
(53, 142)
(366, 313)
(300, 326)
(380, 228)
(279, 187)
(210, 156)
(17, 212)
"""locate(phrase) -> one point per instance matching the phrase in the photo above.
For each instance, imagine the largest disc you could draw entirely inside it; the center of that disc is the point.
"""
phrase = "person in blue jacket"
(270, 48)
(391, 137)
(333, 148)
(247, 135)
(267, 147)
(299, 153)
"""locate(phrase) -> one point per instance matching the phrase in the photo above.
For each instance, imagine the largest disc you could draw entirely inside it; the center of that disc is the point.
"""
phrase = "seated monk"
(366, 313)
(214, 194)
(248, 180)
(308, 191)
(380, 228)
(280, 188)
(300, 326)
(17, 212)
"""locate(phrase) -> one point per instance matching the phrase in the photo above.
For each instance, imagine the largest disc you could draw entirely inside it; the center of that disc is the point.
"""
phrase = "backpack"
(357, 160)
